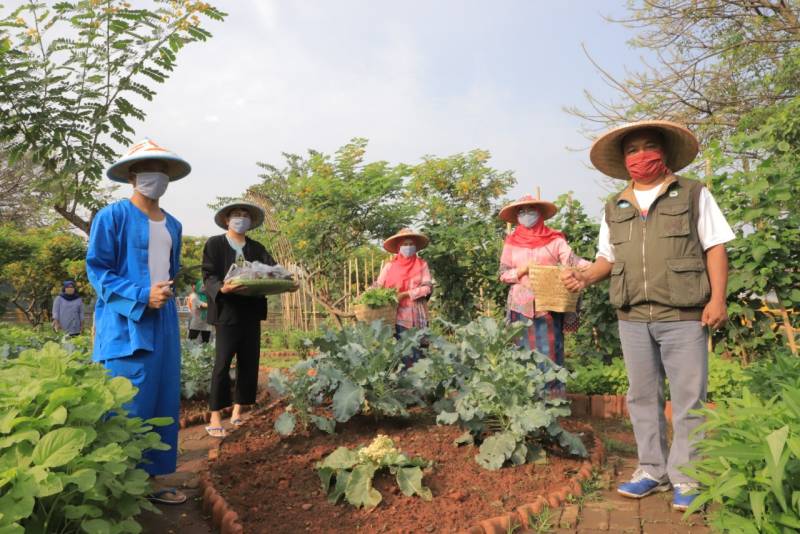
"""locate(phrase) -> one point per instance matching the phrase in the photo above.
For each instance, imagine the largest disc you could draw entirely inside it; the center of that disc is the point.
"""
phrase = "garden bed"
(271, 484)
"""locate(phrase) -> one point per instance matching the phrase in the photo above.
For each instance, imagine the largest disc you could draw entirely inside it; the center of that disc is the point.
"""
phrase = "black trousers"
(244, 341)
(205, 335)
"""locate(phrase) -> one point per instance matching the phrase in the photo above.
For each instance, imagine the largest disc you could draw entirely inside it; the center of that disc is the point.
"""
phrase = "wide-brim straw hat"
(393, 243)
(177, 167)
(509, 212)
(255, 211)
(680, 147)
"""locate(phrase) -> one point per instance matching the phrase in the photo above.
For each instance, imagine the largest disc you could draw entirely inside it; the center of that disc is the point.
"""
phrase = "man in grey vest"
(662, 242)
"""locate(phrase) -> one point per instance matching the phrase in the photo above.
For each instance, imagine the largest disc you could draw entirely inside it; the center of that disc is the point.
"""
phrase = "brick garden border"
(224, 517)
(608, 406)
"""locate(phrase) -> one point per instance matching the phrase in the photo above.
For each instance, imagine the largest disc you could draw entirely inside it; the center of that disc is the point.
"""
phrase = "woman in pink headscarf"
(532, 242)
(409, 275)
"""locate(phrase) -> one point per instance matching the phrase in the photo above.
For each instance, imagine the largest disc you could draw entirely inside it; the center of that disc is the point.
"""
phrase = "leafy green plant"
(197, 363)
(725, 378)
(599, 379)
(750, 463)
(767, 377)
(348, 473)
(498, 393)
(68, 450)
(303, 392)
(359, 370)
(378, 297)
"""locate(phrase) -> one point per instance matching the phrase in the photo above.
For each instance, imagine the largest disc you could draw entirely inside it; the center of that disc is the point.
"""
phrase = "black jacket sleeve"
(212, 266)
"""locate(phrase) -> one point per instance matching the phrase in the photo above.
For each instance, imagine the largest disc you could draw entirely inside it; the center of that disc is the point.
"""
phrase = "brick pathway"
(607, 511)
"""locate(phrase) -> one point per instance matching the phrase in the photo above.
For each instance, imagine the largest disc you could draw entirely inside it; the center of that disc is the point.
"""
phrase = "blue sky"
(415, 77)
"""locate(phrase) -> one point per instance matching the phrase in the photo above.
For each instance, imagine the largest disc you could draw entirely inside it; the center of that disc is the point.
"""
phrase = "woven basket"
(365, 314)
(549, 290)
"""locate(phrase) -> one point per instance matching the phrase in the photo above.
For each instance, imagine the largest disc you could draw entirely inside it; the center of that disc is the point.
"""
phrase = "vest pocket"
(620, 225)
(618, 289)
(673, 220)
(688, 282)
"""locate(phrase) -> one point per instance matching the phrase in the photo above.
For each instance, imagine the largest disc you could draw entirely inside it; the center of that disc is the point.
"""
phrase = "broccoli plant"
(497, 392)
(353, 471)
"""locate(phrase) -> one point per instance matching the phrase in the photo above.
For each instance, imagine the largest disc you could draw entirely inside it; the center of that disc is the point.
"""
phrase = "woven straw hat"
(680, 147)
(177, 167)
(509, 212)
(393, 243)
(255, 211)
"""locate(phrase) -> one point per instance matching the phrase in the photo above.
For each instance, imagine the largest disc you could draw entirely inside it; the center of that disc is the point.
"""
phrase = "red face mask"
(646, 165)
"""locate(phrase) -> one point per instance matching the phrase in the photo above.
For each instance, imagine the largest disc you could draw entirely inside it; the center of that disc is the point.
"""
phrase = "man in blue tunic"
(133, 257)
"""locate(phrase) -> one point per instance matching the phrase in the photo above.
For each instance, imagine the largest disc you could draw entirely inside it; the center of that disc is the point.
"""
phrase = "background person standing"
(68, 310)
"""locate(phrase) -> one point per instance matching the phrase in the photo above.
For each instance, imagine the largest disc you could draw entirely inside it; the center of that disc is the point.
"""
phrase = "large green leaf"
(108, 453)
(31, 436)
(409, 479)
(495, 450)
(341, 458)
(347, 401)
(285, 423)
(58, 447)
(776, 442)
(359, 491)
(323, 423)
(342, 478)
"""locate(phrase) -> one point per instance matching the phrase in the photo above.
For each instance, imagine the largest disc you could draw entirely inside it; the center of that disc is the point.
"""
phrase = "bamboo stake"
(304, 306)
(358, 283)
(538, 193)
(788, 330)
(313, 306)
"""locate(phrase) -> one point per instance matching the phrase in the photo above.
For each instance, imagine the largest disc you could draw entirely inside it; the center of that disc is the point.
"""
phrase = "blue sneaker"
(683, 496)
(642, 485)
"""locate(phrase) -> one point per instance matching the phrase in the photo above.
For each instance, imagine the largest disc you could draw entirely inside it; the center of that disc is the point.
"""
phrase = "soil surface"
(272, 484)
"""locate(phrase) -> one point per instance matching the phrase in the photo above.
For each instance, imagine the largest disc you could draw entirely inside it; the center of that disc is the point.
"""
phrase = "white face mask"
(153, 185)
(239, 224)
(528, 218)
(408, 250)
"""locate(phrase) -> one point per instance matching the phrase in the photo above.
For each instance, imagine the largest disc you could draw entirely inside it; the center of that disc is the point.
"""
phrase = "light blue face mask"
(239, 224)
(528, 218)
(408, 250)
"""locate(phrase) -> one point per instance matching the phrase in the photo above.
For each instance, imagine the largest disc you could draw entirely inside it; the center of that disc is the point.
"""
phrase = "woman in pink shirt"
(532, 242)
(409, 275)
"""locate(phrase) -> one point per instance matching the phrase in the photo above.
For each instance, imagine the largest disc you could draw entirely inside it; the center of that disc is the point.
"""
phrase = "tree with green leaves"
(457, 199)
(330, 208)
(35, 261)
(72, 75)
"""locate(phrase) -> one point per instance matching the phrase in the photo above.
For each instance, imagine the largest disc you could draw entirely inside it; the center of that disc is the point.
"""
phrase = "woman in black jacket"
(236, 318)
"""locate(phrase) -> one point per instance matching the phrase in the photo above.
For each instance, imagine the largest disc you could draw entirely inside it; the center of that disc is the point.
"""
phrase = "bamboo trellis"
(305, 308)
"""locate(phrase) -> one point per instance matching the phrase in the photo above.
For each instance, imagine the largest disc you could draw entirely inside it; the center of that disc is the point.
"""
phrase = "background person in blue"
(133, 257)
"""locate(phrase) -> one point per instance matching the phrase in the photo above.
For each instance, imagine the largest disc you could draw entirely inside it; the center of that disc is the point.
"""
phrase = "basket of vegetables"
(259, 279)
(375, 304)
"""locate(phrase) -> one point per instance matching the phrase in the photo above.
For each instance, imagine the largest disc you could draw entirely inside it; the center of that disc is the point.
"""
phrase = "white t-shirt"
(159, 250)
(712, 228)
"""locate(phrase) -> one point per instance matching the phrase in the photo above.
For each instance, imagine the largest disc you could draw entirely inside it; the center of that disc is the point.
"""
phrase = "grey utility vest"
(659, 273)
